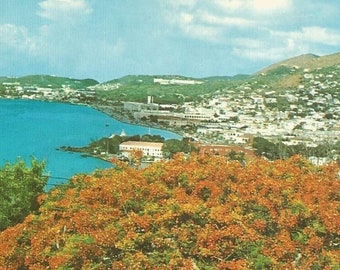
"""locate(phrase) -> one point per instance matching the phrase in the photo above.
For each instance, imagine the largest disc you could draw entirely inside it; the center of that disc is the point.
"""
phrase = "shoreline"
(111, 111)
(106, 109)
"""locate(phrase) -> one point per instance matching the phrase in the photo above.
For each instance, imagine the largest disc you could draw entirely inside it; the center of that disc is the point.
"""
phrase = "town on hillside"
(302, 112)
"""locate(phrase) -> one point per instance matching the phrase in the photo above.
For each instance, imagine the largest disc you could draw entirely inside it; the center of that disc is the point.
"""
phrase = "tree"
(20, 186)
(151, 138)
(265, 148)
(239, 156)
(196, 212)
(173, 146)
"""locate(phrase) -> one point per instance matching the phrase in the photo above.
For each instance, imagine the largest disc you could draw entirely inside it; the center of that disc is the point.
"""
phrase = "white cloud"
(17, 37)
(63, 9)
(231, 5)
(186, 18)
(179, 3)
(261, 51)
(195, 29)
(258, 6)
(313, 39)
(219, 20)
(61, 45)
(227, 21)
(202, 32)
(270, 46)
(275, 45)
(269, 6)
(316, 34)
(204, 25)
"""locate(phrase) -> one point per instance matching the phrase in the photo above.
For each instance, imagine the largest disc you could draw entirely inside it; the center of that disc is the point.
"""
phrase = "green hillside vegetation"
(51, 81)
(288, 74)
(237, 77)
(137, 88)
(279, 77)
(310, 61)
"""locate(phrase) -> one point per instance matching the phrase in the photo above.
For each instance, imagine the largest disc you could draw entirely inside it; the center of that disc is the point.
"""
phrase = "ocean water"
(36, 128)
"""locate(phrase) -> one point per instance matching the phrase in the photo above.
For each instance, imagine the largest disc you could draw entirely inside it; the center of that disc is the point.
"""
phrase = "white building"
(137, 106)
(152, 149)
(175, 81)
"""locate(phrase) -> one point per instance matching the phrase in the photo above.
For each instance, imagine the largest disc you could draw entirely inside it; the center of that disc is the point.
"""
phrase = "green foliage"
(151, 138)
(173, 146)
(111, 144)
(52, 81)
(19, 188)
(279, 150)
(265, 148)
(239, 156)
(137, 88)
(253, 250)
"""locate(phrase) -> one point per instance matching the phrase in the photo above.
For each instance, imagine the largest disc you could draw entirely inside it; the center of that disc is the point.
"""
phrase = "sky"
(108, 39)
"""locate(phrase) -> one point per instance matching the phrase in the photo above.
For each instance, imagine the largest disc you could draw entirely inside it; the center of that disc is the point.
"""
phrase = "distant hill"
(310, 61)
(146, 79)
(130, 79)
(50, 81)
(226, 78)
(166, 88)
(177, 89)
(287, 74)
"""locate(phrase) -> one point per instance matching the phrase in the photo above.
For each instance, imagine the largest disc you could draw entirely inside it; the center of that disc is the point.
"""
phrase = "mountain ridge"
(305, 61)
(50, 81)
(310, 61)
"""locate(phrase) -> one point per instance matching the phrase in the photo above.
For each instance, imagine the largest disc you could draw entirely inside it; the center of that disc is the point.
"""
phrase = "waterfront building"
(151, 149)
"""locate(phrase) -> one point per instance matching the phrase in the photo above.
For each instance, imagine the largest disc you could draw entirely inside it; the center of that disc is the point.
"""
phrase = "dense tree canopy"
(173, 146)
(19, 187)
(279, 150)
(187, 213)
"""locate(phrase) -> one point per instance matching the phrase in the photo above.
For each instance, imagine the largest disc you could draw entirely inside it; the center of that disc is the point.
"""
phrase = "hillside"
(165, 89)
(170, 89)
(287, 74)
(290, 75)
(50, 81)
(237, 77)
(305, 61)
(188, 213)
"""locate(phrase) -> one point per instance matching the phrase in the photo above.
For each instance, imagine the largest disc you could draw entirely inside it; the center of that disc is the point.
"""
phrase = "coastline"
(115, 114)
(111, 112)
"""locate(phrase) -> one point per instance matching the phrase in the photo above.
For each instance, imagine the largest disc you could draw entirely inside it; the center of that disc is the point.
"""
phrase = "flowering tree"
(187, 213)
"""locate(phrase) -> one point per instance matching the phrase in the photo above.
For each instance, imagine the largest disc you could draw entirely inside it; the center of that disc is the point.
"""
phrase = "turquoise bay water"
(35, 128)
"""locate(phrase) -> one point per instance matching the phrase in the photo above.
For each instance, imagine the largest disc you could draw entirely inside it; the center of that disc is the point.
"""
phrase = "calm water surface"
(36, 128)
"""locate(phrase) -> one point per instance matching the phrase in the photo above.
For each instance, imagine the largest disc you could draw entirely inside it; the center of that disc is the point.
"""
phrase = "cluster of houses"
(64, 93)
(153, 150)
(310, 117)
(308, 114)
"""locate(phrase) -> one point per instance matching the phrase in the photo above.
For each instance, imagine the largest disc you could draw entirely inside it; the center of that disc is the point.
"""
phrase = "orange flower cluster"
(188, 213)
